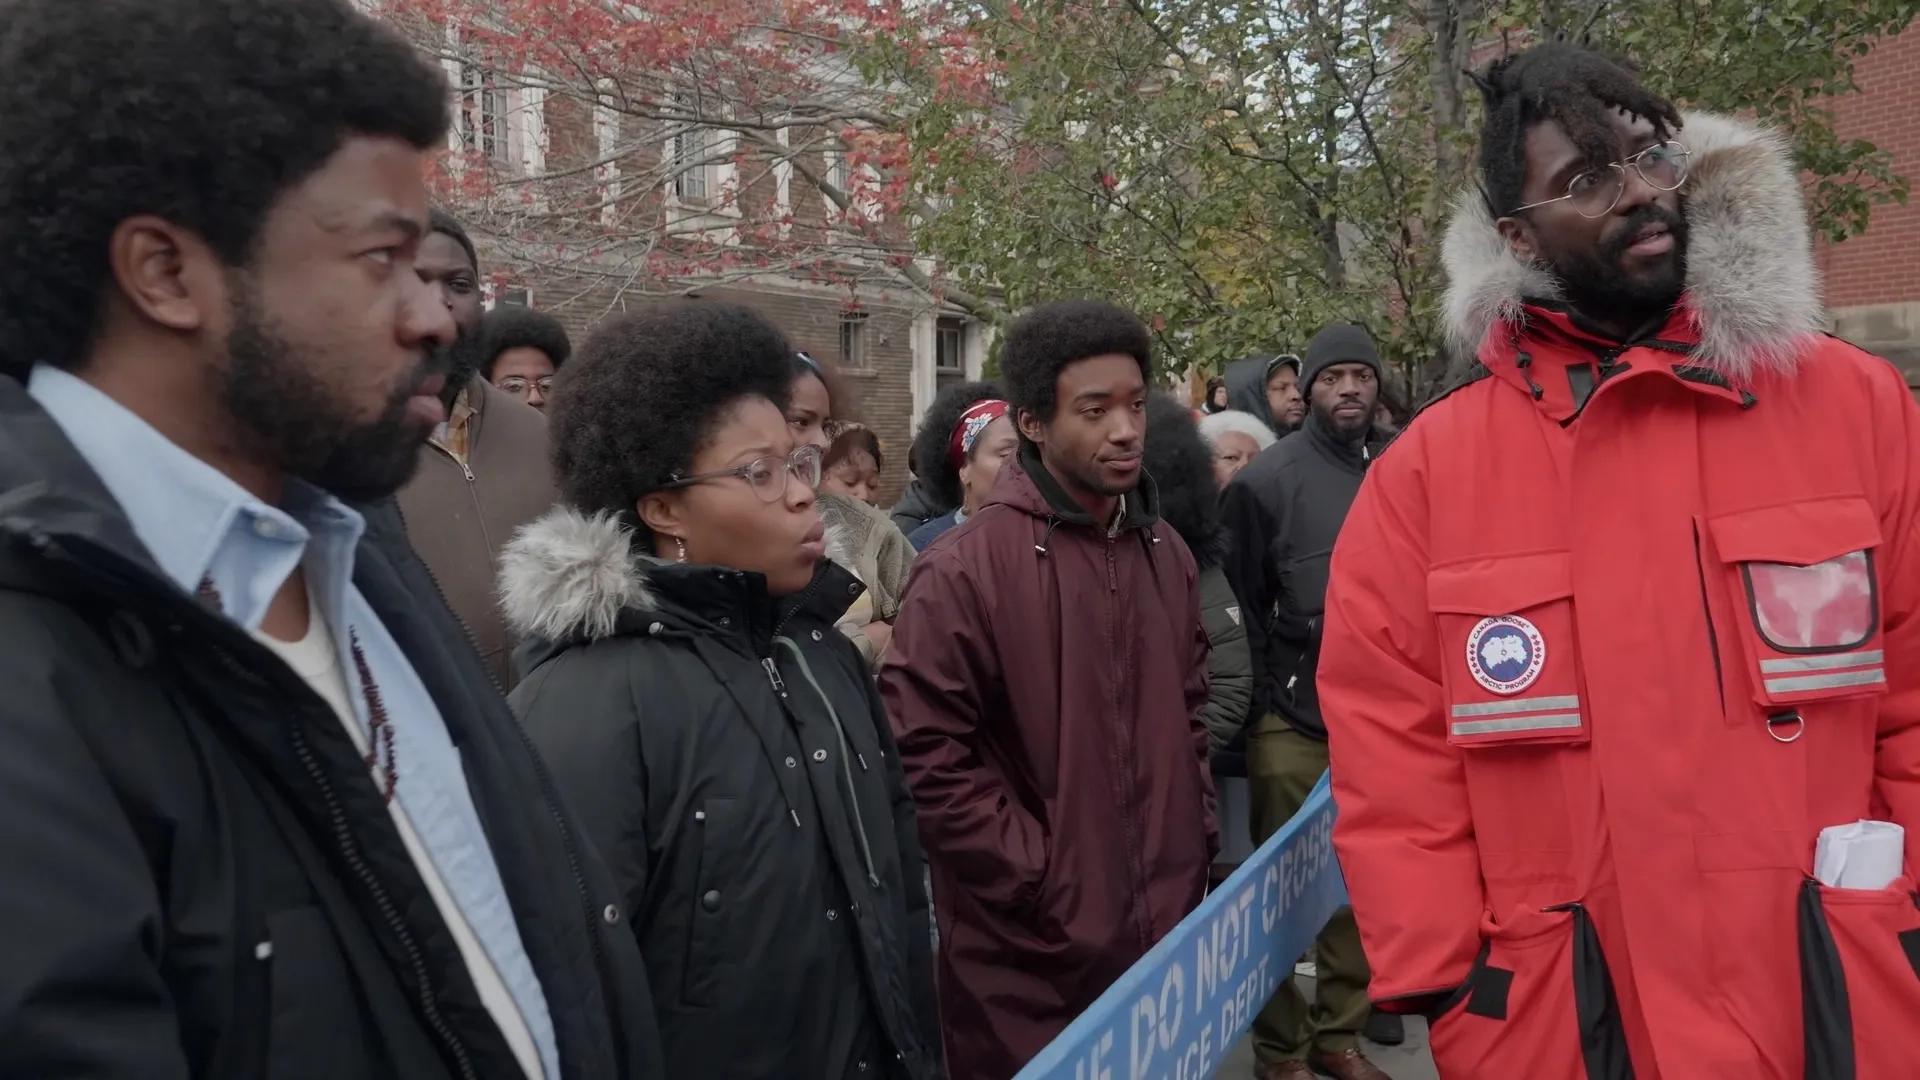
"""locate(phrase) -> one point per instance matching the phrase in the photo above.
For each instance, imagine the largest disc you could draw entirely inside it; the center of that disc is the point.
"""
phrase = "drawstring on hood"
(1752, 289)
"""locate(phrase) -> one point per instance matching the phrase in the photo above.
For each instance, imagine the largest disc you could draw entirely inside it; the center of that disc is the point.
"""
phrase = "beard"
(290, 415)
(1598, 284)
(462, 363)
(1351, 431)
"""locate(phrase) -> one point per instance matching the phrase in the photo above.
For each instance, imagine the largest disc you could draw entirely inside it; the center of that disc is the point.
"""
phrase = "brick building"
(702, 195)
(1873, 280)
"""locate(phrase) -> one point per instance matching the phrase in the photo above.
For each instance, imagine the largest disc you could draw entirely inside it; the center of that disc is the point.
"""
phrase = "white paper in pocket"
(1863, 855)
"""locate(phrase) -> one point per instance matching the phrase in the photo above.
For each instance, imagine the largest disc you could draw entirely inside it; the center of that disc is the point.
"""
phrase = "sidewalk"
(1408, 1061)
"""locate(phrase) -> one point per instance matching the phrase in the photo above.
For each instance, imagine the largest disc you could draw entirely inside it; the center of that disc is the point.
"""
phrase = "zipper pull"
(1291, 680)
(773, 676)
(465, 468)
(862, 759)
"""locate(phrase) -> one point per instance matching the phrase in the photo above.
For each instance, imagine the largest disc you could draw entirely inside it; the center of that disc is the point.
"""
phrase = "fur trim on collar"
(569, 576)
(1751, 280)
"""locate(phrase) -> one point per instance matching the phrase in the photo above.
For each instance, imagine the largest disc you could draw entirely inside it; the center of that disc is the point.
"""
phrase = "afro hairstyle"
(199, 112)
(513, 326)
(646, 390)
(1181, 464)
(1041, 343)
(937, 471)
(1571, 85)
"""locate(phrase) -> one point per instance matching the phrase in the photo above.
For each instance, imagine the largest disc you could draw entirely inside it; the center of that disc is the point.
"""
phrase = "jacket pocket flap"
(1500, 586)
(1797, 534)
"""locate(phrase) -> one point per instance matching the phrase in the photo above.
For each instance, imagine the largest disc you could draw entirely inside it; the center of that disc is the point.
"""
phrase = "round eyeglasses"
(767, 476)
(1596, 192)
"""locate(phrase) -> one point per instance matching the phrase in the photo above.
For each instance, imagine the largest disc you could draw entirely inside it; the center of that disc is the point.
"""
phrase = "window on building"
(494, 296)
(853, 341)
(484, 107)
(689, 157)
(839, 170)
(950, 346)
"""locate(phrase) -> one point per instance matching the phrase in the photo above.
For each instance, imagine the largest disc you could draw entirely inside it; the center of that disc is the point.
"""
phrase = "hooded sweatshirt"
(1247, 387)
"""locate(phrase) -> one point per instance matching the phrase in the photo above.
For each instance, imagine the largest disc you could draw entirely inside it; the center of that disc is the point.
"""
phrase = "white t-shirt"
(316, 659)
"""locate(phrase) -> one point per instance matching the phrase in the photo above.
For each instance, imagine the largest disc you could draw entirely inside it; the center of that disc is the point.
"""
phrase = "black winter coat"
(1283, 512)
(728, 754)
(174, 799)
(916, 507)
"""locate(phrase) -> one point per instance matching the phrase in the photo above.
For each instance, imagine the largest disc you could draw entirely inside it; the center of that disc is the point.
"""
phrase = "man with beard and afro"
(484, 472)
(1049, 653)
(1622, 623)
(262, 813)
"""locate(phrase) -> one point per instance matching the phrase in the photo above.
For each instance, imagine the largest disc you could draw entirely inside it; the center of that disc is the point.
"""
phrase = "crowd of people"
(397, 692)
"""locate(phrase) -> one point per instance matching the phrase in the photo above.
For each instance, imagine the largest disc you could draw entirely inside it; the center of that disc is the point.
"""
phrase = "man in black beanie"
(1283, 513)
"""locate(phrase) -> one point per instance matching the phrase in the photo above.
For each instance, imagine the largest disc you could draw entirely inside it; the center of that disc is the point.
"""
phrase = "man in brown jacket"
(1045, 683)
(484, 473)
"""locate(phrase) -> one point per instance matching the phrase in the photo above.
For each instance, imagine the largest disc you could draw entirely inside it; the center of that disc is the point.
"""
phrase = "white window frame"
(838, 171)
(493, 296)
(950, 361)
(855, 347)
(484, 123)
(606, 137)
(690, 144)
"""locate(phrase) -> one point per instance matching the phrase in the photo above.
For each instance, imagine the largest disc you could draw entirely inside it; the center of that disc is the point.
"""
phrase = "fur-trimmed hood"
(570, 576)
(1752, 286)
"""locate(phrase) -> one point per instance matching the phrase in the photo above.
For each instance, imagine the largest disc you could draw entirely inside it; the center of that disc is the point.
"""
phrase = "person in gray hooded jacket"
(1270, 388)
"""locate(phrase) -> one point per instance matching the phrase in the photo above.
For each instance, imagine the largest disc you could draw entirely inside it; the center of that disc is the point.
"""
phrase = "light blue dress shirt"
(198, 524)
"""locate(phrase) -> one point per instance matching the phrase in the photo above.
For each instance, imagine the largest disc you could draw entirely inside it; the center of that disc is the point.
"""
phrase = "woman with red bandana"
(980, 442)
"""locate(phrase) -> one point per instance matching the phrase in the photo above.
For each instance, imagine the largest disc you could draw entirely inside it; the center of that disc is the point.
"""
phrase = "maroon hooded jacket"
(1045, 684)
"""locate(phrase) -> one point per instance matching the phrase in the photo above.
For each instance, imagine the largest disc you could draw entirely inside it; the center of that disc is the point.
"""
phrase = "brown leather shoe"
(1283, 1070)
(1347, 1065)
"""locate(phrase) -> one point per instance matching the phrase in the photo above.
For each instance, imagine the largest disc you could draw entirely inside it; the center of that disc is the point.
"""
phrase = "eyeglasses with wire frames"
(1596, 192)
(517, 384)
(767, 476)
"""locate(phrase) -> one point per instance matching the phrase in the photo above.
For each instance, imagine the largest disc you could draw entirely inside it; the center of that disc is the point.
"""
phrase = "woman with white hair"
(1236, 437)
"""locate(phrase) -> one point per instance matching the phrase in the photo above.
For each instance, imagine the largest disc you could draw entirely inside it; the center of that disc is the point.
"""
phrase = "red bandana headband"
(972, 423)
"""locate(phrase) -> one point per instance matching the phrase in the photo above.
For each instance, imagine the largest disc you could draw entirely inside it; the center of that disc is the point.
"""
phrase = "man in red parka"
(1045, 684)
(1618, 626)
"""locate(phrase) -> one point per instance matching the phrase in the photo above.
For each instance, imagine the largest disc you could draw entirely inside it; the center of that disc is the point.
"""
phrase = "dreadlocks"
(1570, 85)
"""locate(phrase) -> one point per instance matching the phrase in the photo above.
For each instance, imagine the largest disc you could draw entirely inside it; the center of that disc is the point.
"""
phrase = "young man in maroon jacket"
(1045, 683)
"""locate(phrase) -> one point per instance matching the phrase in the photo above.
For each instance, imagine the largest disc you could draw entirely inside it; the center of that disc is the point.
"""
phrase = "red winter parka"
(1045, 684)
(1614, 630)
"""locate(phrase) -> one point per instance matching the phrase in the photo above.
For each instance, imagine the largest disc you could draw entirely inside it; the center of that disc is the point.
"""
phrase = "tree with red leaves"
(666, 146)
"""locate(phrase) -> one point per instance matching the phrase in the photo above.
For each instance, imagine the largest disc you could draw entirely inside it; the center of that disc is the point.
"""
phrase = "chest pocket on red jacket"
(1510, 659)
(1807, 592)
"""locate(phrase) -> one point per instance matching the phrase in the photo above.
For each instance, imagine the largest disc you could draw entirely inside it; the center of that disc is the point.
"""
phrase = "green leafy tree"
(1243, 174)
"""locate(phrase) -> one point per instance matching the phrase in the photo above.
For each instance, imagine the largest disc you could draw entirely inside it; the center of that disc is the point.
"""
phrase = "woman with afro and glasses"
(722, 743)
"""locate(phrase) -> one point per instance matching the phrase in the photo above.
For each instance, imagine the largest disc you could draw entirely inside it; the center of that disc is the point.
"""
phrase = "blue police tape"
(1177, 1013)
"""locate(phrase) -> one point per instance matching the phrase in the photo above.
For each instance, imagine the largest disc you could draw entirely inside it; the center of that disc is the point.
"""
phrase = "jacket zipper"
(1706, 609)
(342, 831)
(465, 470)
(847, 757)
(343, 838)
(1121, 774)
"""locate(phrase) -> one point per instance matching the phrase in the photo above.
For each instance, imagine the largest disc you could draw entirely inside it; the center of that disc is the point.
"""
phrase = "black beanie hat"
(1341, 343)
